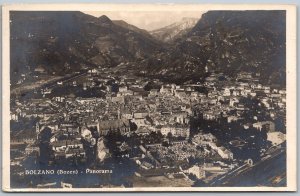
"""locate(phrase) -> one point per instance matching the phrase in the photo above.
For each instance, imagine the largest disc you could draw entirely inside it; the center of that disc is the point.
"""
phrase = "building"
(127, 115)
(75, 152)
(221, 150)
(176, 130)
(67, 149)
(62, 145)
(167, 89)
(232, 118)
(24, 137)
(123, 88)
(32, 149)
(276, 138)
(180, 117)
(198, 171)
(140, 114)
(224, 153)
(265, 125)
(214, 168)
(119, 125)
(210, 115)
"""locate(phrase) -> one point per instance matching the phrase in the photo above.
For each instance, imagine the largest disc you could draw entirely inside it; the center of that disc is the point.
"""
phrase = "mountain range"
(175, 30)
(64, 42)
(228, 42)
(223, 41)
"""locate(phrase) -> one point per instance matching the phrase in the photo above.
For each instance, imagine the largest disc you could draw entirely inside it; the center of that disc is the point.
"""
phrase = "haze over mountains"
(225, 41)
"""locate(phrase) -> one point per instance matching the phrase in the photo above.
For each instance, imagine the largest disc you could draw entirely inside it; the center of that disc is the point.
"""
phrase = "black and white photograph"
(144, 97)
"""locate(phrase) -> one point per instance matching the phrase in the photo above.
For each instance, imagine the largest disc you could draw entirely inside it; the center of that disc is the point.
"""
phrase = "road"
(64, 80)
(270, 171)
(29, 91)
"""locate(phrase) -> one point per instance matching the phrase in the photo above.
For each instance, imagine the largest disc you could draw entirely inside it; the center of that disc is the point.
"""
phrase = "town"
(191, 134)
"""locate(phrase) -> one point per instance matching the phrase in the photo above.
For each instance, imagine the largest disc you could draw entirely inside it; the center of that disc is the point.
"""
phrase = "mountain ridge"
(225, 41)
(174, 30)
(66, 42)
(228, 42)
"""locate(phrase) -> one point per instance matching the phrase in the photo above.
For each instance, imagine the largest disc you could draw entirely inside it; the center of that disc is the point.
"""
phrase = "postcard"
(148, 97)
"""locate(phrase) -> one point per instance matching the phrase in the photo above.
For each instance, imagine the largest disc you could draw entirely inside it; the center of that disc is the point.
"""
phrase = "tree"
(133, 126)
(44, 144)
(170, 136)
(45, 135)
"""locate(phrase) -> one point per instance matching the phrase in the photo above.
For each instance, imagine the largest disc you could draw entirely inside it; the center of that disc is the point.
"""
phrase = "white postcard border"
(290, 75)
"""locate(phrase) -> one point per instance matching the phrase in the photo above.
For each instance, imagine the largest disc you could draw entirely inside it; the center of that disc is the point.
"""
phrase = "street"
(270, 171)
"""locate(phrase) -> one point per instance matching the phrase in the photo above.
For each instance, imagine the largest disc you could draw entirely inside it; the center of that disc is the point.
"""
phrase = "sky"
(148, 20)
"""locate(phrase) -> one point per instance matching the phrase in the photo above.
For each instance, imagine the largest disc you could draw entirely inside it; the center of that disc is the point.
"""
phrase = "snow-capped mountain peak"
(174, 30)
